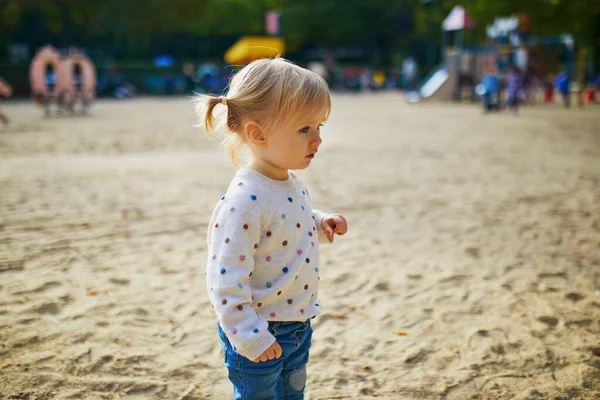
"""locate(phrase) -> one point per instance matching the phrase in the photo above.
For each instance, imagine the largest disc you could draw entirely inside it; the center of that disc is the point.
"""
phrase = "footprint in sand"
(548, 320)
(552, 281)
(51, 308)
(580, 323)
(574, 297)
(119, 281)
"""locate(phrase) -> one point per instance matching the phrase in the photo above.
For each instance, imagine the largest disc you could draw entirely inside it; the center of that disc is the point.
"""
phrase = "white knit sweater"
(263, 258)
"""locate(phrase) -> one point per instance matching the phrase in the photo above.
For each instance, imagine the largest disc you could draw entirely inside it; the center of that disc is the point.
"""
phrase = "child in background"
(263, 236)
(548, 93)
(491, 83)
(563, 87)
(514, 88)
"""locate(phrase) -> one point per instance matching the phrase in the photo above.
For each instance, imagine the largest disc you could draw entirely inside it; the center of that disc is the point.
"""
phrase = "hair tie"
(223, 100)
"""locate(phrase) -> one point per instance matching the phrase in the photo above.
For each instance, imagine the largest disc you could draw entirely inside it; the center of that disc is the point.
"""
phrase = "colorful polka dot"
(269, 284)
(303, 192)
(290, 199)
(245, 226)
(269, 234)
(214, 257)
(268, 259)
(285, 243)
(224, 301)
(223, 198)
(290, 301)
(240, 307)
(232, 208)
(240, 285)
(302, 311)
(312, 244)
(255, 246)
(302, 208)
(250, 274)
(279, 293)
(242, 258)
(255, 330)
(298, 225)
(310, 234)
(240, 183)
(317, 269)
(253, 197)
(285, 270)
(308, 260)
(305, 287)
(299, 252)
(217, 225)
(273, 315)
(233, 331)
(296, 278)
(252, 298)
(259, 305)
(226, 240)
(223, 270)
(317, 304)
(283, 216)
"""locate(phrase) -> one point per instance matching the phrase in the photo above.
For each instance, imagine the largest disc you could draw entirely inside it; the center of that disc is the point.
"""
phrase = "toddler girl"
(263, 236)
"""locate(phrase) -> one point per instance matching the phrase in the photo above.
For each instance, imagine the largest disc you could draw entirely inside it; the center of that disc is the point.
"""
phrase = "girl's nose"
(316, 141)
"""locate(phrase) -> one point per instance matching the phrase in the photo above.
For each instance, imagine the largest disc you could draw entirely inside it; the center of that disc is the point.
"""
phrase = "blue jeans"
(282, 378)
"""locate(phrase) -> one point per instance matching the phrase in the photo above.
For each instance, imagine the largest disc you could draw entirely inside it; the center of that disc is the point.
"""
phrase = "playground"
(471, 270)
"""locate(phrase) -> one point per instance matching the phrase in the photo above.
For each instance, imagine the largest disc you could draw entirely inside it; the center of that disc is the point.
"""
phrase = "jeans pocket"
(300, 333)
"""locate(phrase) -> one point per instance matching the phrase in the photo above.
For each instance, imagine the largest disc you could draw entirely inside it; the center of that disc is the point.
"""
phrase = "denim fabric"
(282, 378)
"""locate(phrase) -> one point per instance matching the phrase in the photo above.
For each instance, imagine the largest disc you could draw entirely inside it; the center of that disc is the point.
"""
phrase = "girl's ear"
(255, 134)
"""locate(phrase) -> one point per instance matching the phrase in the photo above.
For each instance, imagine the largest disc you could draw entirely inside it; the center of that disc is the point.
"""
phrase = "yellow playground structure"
(250, 48)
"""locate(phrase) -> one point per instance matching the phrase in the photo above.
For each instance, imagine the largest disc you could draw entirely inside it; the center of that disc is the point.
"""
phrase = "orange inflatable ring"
(87, 90)
(47, 55)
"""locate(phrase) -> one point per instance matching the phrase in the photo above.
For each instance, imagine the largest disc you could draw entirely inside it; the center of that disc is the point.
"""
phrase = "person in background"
(514, 88)
(5, 91)
(190, 77)
(491, 83)
(562, 85)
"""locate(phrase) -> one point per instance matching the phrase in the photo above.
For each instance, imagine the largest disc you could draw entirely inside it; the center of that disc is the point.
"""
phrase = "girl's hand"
(332, 224)
(274, 351)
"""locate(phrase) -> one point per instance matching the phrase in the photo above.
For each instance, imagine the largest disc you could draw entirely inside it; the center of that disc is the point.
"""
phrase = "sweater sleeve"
(318, 216)
(233, 236)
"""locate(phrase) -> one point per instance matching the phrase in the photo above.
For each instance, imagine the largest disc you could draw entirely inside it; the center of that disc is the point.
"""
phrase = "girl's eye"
(305, 129)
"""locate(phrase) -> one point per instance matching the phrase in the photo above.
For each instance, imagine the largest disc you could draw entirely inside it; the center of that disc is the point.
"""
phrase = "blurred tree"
(195, 28)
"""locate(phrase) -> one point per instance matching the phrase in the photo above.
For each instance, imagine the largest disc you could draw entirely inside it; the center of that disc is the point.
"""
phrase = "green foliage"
(130, 27)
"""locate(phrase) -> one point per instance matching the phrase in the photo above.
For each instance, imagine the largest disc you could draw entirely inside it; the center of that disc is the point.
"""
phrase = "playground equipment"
(510, 44)
(62, 81)
(455, 71)
(251, 48)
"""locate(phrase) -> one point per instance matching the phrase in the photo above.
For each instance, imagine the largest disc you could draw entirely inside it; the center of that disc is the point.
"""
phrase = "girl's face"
(289, 146)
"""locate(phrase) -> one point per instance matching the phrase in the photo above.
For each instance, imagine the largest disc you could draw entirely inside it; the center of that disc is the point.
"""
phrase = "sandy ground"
(471, 269)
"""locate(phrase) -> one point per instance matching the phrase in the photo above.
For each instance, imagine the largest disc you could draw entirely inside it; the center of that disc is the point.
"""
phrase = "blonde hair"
(269, 91)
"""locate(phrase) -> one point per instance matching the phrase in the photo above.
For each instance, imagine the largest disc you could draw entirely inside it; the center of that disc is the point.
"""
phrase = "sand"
(471, 269)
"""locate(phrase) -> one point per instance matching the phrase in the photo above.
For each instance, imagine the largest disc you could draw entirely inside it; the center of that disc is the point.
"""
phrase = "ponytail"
(209, 119)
